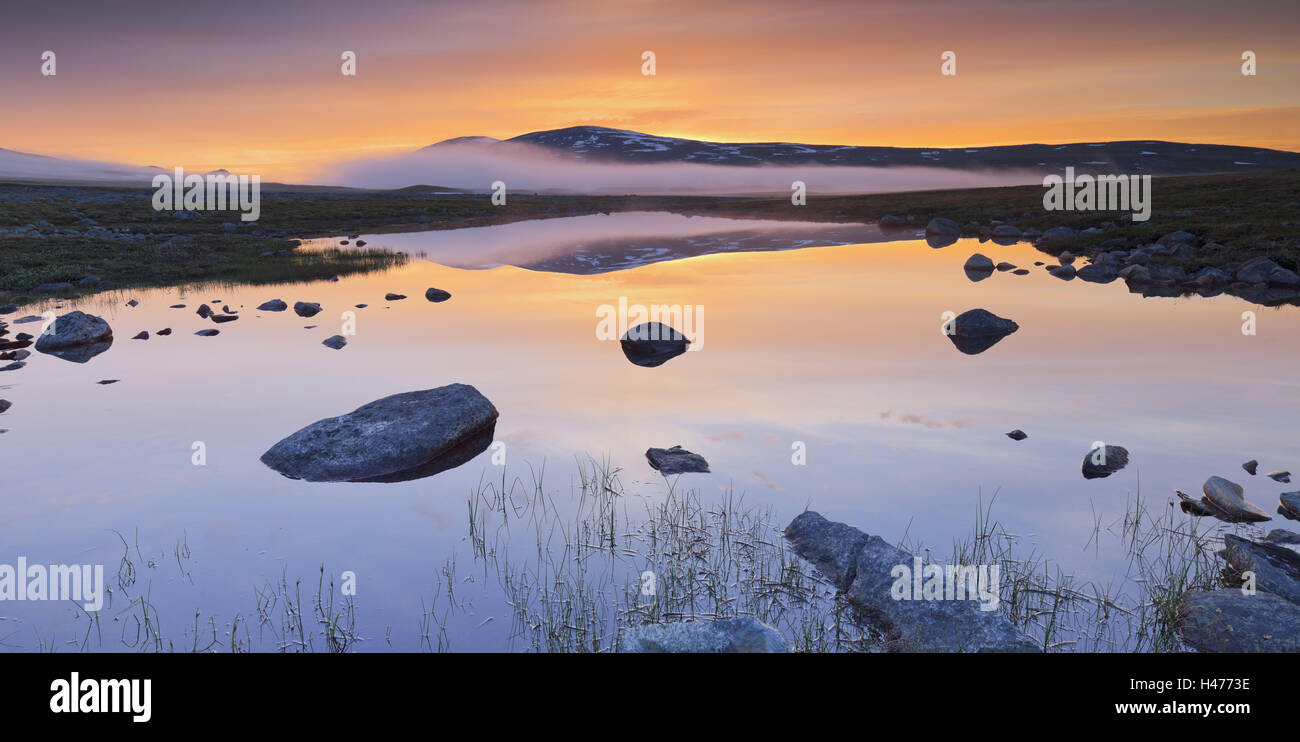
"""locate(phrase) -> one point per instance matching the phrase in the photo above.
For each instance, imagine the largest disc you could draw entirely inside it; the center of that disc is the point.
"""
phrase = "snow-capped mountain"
(597, 143)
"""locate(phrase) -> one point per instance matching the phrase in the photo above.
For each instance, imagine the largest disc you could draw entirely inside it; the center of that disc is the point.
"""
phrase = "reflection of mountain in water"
(604, 256)
(601, 243)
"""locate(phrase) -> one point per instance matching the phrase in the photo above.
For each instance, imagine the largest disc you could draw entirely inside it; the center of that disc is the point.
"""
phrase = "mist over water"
(527, 168)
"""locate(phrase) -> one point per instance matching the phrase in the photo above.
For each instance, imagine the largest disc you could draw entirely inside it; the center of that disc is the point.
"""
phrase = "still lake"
(818, 338)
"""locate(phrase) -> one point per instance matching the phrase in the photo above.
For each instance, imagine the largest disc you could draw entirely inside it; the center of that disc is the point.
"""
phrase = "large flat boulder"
(745, 635)
(676, 460)
(1229, 620)
(400, 437)
(1276, 568)
(865, 568)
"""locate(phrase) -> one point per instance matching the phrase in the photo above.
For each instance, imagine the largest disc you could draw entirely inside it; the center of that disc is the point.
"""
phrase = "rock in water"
(1223, 500)
(1251, 467)
(334, 341)
(306, 309)
(1276, 568)
(204, 311)
(165, 331)
(864, 568)
(1277, 476)
(1289, 505)
(1227, 620)
(390, 296)
(400, 437)
(274, 305)
(651, 344)
(437, 295)
(141, 335)
(725, 635)
(1104, 461)
(1017, 435)
(980, 263)
(676, 460)
(977, 330)
(5, 405)
(76, 337)
(205, 333)
(941, 232)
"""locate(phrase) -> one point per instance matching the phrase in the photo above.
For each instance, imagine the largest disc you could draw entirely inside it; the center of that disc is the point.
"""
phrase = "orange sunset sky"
(257, 87)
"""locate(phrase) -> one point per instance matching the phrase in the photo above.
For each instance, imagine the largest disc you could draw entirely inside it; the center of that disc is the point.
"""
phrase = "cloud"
(525, 168)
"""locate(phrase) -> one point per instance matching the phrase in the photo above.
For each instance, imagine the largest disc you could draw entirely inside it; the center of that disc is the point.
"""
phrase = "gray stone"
(390, 296)
(1282, 536)
(1101, 272)
(274, 305)
(676, 460)
(1056, 232)
(651, 344)
(1099, 463)
(976, 330)
(1176, 237)
(864, 568)
(1227, 620)
(306, 309)
(1006, 233)
(334, 341)
(1289, 505)
(1063, 272)
(1276, 568)
(1225, 500)
(400, 437)
(1017, 435)
(437, 295)
(76, 336)
(941, 232)
(1277, 476)
(978, 263)
(5, 405)
(141, 335)
(745, 635)
(1264, 270)
(1251, 467)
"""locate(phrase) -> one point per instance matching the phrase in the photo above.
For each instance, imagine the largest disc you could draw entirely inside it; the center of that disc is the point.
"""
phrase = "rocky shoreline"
(1150, 269)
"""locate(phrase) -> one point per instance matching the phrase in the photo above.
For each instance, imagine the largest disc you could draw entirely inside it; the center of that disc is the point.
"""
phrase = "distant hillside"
(600, 144)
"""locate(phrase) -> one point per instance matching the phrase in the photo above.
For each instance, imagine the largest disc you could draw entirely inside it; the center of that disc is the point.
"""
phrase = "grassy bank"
(54, 234)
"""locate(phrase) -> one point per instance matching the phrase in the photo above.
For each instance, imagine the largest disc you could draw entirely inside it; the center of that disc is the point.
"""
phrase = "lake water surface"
(835, 350)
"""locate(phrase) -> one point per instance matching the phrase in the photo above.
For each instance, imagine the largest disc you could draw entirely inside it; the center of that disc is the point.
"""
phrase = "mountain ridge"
(1139, 156)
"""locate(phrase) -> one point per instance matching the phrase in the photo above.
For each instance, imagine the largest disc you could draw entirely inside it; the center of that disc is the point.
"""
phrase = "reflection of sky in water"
(838, 347)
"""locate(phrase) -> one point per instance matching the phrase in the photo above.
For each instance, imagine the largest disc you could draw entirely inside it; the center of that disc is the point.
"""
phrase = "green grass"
(1246, 215)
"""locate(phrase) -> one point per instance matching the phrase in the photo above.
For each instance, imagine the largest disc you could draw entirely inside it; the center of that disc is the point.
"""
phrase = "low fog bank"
(21, 167)
(524, 168)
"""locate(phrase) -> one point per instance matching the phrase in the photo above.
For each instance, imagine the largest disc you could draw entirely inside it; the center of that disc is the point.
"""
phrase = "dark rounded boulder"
(400, 437)
(976, 330)
(651, 344)
(76, 336)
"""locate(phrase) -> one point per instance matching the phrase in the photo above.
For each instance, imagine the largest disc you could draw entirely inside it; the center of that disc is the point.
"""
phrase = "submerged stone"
(745, 635)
